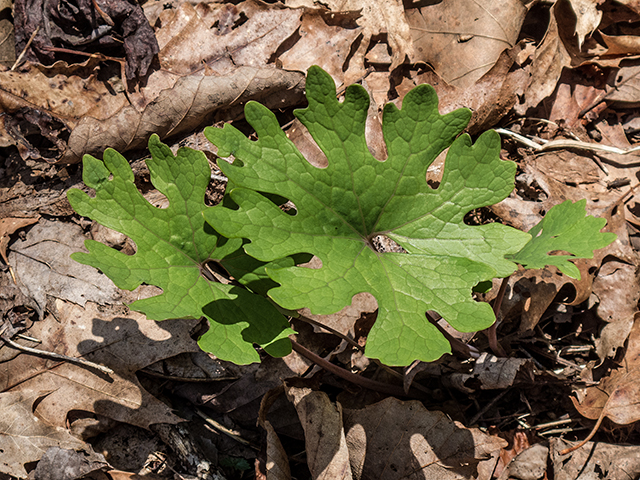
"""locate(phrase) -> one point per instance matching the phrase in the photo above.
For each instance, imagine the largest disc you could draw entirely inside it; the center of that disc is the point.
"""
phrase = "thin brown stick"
(57, 356)
(346, 375)
(24, 50)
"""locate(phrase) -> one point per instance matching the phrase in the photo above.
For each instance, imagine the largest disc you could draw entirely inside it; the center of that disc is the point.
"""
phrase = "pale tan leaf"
(588, 18)
(325, 442)
(379, 17)
(24, 437)
(327, 46)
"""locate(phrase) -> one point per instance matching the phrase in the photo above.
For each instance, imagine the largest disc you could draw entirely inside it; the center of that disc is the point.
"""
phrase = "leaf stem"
(491, 332)
(346, 375)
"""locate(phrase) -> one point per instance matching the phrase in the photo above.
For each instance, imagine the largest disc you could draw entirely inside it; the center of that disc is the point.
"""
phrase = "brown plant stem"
(491, 332)
(346, 375)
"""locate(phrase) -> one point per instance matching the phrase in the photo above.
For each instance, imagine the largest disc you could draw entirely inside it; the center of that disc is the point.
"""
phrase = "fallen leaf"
(491, 373)
(463, 40)
(325, 442)
(24, 438)
(9, 226)
(68, 464)
(43, 267)
(380, 17)
(588, 18)
(49, 24)
(551, 56)
(124, 341)
(322, 44)
(490, 98)
(595, 460)
(530, 464)
(616, 396)
(193, 100)
(392, 440)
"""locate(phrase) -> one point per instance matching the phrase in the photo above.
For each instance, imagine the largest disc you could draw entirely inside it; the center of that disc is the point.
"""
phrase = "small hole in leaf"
(215, 272)
(480, 216)
(382, 244)
(315, 264)
(436, 169)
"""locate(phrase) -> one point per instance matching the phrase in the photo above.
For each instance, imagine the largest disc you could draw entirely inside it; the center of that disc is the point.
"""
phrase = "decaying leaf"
(393, 439)
(617, 395)
(463, 40)
(24, 438)
(491, 373)
(325, 442)
(88, 25)
(377, 18)
(595, 460)
(45, 270)
(125, 342)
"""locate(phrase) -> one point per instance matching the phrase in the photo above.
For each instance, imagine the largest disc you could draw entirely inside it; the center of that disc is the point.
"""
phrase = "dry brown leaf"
(379, 17)
(24, 437)
(617, 396)
(194, 100)
(463, 40)
(214, 39)
(67, 464)
(84, 108)
(627, 85)
(9, 226)
(124, 341)
(327, 46)
(529, 464)
(490, 98)
(595, 460)
(491, 373)
(392, 440)
(44, 268)
(325, 443)
(553, 54)
(588, 18)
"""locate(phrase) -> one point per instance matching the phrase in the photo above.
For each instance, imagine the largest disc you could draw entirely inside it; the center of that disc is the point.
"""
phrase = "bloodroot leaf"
(564, 228)
(342, 208)
(174, 246)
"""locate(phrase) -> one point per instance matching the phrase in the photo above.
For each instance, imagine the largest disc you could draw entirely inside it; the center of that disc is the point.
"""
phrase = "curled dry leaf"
(92, 26)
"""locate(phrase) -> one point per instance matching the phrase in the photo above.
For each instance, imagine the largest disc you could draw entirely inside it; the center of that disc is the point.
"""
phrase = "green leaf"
(341, 208)
(173, 246)
(564, 228)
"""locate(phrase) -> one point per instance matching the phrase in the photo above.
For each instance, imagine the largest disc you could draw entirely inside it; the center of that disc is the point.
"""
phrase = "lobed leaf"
(342, 208)
(173, 246)
(564, 228)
